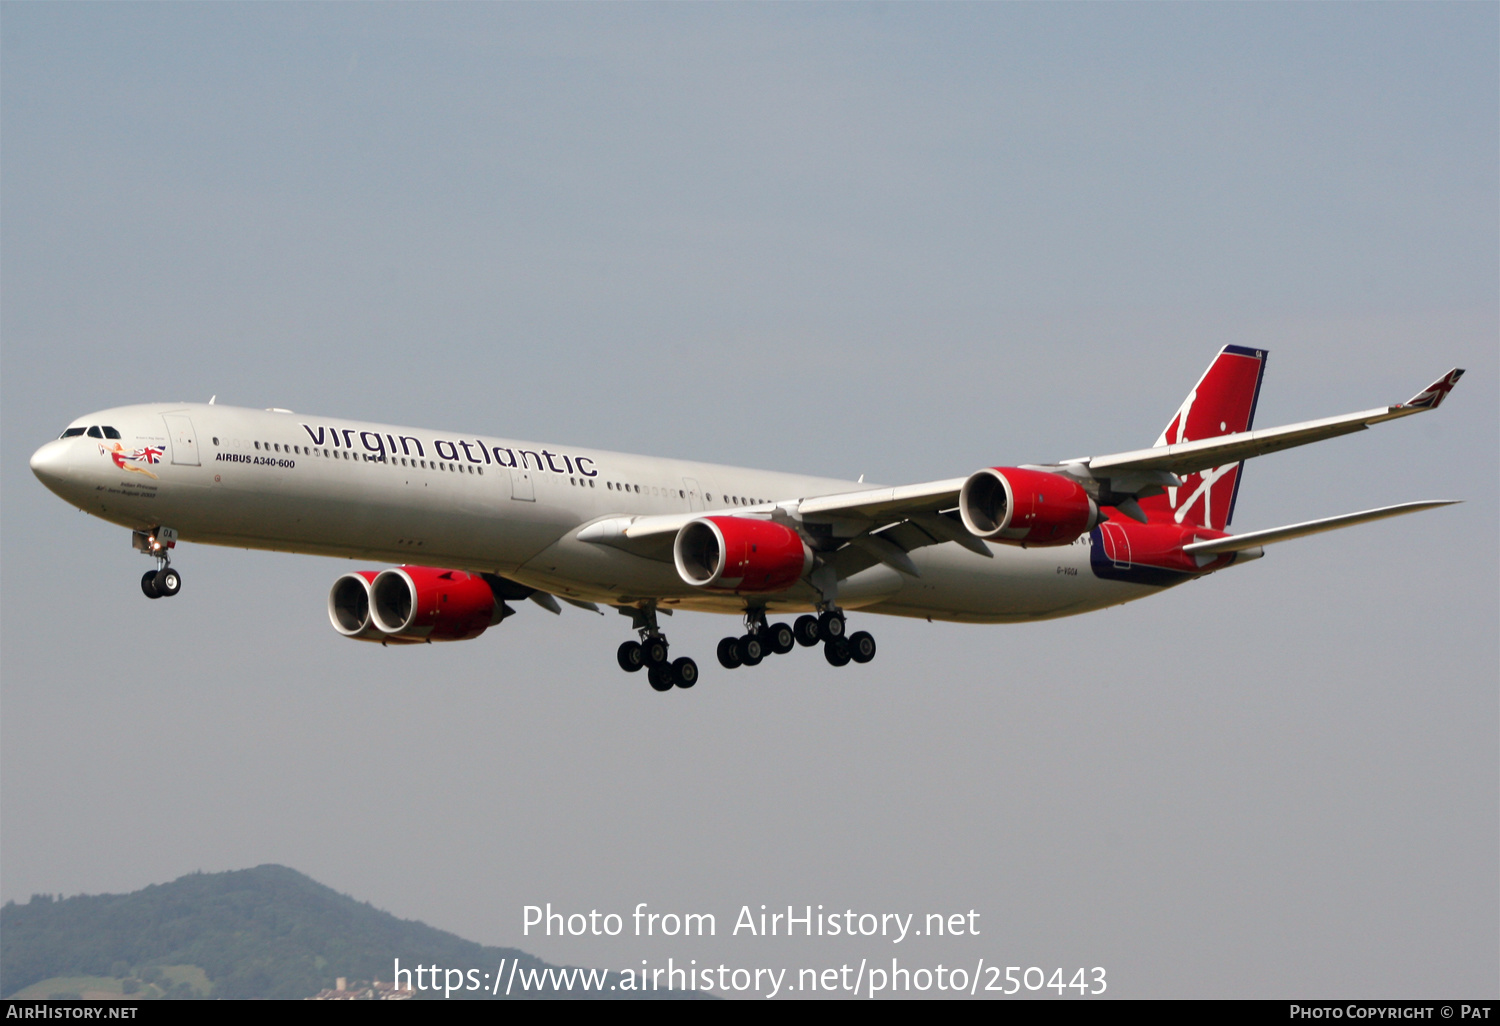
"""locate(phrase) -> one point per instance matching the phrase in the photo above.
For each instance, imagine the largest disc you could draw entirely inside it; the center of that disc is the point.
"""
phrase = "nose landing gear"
(163, 582)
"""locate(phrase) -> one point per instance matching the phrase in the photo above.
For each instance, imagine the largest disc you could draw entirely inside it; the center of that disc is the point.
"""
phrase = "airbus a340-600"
(477, 522)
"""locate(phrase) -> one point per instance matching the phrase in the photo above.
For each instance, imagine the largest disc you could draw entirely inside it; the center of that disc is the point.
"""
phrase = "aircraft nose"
(50, 464)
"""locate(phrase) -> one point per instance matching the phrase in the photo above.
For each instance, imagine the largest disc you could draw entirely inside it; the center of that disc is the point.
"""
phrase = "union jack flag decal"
(150, 454)
(1431, 397)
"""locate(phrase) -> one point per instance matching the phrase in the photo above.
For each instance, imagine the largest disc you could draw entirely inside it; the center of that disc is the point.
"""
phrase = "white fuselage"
(332, 487)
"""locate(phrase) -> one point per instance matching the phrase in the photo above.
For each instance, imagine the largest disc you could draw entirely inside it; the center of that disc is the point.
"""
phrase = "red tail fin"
(1222, 403)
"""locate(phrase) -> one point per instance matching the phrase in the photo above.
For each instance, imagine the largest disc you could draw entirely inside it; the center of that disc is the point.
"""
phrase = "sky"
(898, 240)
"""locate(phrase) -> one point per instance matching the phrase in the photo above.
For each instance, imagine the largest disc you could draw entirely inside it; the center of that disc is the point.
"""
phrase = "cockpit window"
(71, 433)
(110, 432)
(94, 432)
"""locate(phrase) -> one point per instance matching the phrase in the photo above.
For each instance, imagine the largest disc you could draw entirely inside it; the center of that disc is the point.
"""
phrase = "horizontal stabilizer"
(1275, 534)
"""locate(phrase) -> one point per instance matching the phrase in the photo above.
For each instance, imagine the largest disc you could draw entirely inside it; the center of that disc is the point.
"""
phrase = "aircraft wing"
(885, 503)
(1205, 454)
(886, 523)
(877, 504)
(883, 524)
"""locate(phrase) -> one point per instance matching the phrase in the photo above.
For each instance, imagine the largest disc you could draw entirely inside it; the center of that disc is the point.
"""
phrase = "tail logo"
(1222, 403)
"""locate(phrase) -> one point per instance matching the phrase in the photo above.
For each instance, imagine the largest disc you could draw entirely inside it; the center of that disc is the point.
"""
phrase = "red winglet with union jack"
(1431, 397)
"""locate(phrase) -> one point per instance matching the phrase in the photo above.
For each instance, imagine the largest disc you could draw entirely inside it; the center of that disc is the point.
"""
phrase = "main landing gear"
(760, 640)
(163, 582)
(652, 652)
(827, 628)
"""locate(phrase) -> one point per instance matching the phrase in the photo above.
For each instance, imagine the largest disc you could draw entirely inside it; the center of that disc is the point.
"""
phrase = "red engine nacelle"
(1026, 507)
(412, 604)
(740, 554)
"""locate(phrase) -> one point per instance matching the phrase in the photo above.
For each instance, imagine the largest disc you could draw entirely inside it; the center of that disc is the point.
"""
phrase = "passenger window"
(257, 445)
(72, 433)
(110, 432)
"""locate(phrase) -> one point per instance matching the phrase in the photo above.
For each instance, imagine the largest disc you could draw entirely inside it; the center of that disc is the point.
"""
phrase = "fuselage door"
(184, 439)
(520, 485)
(694, 494)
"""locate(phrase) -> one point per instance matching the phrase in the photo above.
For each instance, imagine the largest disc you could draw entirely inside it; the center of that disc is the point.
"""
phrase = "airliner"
(476, 522)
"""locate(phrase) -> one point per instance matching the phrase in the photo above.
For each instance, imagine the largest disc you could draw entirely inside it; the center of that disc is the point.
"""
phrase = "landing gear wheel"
(836, 652)
(861, 647)
(148, 585)
(806, 630)
(685, 672)
(655, 652)
(660, 678)
(831, 626)
(729, 653)
(630, 656)
(750, 650)
(781, 639)
(168, 582)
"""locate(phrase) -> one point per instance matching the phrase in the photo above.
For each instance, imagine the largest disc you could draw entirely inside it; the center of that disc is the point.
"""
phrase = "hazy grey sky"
(904, 241)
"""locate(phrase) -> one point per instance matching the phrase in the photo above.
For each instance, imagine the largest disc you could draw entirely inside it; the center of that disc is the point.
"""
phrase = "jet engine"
(1025, 507)
(740, 554)
(413, 604)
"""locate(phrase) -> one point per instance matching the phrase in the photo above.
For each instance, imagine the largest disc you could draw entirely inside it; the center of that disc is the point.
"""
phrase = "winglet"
(1431, 397)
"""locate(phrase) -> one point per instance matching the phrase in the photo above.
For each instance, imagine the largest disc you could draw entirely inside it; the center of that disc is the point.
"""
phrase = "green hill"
(267, 932)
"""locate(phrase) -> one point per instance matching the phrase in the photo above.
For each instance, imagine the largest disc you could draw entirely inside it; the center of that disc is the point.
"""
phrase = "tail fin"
(1222, 403)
